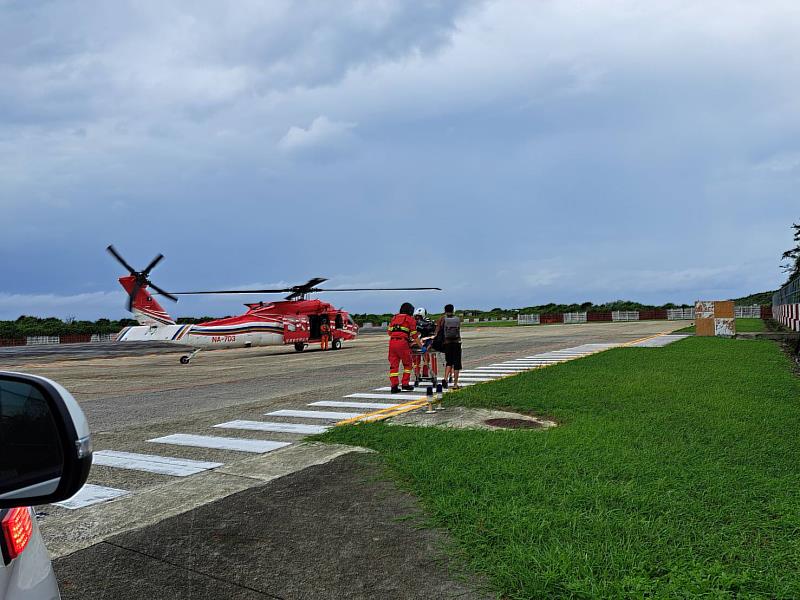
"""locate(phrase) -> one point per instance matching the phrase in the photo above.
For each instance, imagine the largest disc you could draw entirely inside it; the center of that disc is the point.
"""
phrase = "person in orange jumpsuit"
(325, 331)
(402, 333)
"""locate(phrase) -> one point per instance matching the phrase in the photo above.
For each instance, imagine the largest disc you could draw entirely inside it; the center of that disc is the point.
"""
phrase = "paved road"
(333, 531)
(135, 397)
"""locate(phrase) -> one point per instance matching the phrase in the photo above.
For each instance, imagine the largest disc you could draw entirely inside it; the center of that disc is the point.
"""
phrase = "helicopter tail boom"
(144, 307)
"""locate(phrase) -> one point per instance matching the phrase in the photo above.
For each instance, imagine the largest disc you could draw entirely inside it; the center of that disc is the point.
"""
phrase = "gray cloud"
(566, 150)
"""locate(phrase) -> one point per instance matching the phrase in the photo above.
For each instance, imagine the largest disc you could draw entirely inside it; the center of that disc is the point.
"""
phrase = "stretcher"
(426, 367)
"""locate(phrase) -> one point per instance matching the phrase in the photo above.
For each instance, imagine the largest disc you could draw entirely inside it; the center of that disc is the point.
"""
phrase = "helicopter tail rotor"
(135, 282)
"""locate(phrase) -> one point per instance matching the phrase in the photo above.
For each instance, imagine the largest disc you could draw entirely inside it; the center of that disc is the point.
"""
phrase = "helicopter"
(296, 320)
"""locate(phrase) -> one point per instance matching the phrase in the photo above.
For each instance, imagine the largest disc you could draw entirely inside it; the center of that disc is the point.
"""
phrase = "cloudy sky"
(511, 153)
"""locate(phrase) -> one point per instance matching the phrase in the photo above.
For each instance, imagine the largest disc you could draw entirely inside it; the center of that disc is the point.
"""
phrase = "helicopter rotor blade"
(392, 289)
(115, 254)
(152, 264)
(162, 292)
(132, 296)
(232, 292)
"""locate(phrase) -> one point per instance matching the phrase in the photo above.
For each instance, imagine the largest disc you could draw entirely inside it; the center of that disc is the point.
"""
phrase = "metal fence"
(747, 312)
(624, 315)
(527, 319)
(786, 305)
(788, 294)
(575, 317)
(40, 340)
(679, 314)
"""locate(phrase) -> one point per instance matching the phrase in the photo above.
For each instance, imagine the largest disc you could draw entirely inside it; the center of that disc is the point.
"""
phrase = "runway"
(156, 422)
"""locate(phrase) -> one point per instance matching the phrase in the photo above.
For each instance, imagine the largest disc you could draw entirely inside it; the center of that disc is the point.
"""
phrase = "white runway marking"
(92, 494)
(164, 465)
(406, 396)
(220, 443)
(659, 342)
(522, 364)
(314, 414)
(475, 379)
(387, 388)
(481, 373)
(274, 427)
(340, 404)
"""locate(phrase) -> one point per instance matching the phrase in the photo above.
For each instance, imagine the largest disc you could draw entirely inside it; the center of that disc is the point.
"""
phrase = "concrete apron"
(94, 524)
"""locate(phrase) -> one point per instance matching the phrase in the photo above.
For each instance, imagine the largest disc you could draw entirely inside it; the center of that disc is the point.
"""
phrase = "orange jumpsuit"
(402, 329)
(325, 331)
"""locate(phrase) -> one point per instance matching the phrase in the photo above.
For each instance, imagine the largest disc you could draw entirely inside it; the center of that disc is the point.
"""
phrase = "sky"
(510, 152)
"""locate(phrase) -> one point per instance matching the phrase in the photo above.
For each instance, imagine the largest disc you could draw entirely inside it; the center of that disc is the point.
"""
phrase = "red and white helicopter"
(295, 320)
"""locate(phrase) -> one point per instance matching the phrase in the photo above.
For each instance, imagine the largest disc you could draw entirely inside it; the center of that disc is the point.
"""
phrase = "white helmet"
(421, 312)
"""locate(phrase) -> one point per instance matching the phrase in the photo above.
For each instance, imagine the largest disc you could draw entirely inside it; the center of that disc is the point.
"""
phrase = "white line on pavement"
(274, 427)
(220, 443)
(92, 494)
(313, 414)
(407, 396)
(340, 404)
(164, 465)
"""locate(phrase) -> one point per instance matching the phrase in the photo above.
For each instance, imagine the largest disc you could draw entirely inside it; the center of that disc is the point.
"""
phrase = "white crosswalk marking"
(164, 465)
(340, 404)
(659, 341)
(220, 443)
(313, 414)
(407, 396)
(387, 388)
(274, 427)
(483, 373)
(92, 494)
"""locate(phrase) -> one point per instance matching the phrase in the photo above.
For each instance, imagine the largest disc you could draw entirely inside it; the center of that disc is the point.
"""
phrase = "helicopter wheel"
(337, 344)
(299, 346)
(185, 359)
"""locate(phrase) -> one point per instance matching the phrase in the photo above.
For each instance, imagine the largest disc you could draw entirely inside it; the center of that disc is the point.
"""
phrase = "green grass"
(675, 473)
(742, 326)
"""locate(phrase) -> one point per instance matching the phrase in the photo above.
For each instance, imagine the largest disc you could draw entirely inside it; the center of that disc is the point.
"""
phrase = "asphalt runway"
(133, 395)
(12, 355)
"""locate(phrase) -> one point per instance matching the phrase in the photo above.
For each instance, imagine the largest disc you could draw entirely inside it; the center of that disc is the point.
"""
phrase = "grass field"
(675, 473)
(742, 326)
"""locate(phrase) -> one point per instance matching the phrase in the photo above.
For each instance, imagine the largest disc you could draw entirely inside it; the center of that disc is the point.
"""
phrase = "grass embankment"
(742, 326)
(675, 473)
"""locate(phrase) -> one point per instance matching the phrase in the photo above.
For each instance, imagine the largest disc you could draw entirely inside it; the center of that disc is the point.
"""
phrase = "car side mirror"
(45, 445)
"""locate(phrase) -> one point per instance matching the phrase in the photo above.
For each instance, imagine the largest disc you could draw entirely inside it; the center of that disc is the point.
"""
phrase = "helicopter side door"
(295, 329)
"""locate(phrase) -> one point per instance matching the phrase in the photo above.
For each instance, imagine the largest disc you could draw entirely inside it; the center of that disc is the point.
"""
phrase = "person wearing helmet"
(402, 334)
(424, 362)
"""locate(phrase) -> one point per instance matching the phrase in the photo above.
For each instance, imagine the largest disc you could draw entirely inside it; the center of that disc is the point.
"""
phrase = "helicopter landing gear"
(187, 357)
(299, 346)
(337, 344)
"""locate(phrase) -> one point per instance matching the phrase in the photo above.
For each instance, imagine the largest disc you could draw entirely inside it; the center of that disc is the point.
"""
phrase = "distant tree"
(793, 255)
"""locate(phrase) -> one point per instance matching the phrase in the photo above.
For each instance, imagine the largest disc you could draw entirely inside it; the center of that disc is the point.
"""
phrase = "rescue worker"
(402, 333)
(425, 362)
(324, 332)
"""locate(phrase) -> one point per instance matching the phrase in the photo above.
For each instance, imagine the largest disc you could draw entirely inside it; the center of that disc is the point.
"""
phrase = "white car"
(45, 456)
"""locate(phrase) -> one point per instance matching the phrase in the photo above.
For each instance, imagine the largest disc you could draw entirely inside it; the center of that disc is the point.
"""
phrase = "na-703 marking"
(223, 338)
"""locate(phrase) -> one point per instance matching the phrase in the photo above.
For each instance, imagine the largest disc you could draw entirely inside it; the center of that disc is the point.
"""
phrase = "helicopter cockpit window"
(339, 322)
(350, 320)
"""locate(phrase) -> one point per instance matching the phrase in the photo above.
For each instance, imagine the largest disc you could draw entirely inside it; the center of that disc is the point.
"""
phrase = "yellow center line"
(644, 339)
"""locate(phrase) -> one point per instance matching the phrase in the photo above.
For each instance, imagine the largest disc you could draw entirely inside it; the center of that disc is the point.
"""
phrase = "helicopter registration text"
(223, 338)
